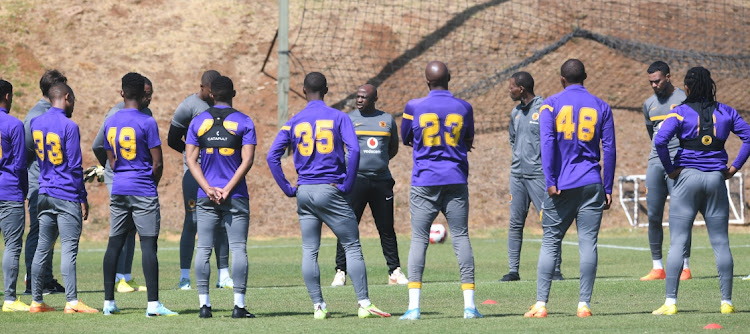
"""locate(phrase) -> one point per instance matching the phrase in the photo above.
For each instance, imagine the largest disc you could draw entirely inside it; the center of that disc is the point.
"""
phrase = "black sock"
(150, 267)
(114, 247)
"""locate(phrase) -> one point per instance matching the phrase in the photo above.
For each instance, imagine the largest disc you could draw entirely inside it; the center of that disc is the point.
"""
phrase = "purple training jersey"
(58, 150)
(440, 127)
(220, 164)
(318, 135)
(572, 123)
(13, 175)
(683, 122)
(131, 135)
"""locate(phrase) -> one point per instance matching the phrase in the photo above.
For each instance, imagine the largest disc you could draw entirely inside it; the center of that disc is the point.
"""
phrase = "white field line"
(569, 243)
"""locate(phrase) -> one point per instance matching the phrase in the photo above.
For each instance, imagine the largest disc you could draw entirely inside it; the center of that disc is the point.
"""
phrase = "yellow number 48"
(587, 118)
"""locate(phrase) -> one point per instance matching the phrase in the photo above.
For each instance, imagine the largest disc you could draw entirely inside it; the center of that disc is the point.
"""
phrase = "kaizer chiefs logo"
(535, 116)
(706, 140)
(382, 124)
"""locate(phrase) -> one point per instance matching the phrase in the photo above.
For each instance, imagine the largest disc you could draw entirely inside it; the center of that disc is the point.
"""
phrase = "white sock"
(119, 276)
(185, 273)
(658, 264)
(321, 306)
(726, 301)
(582, 304)
(203, 300)
(152, 305)
(686, 263)
(239, 300)
(223, 274)
(469, 299)
(670, 301)
(414, 295)
(364, 303)
(73, 302)
(540, 304)
(109, 303)
(128, 277)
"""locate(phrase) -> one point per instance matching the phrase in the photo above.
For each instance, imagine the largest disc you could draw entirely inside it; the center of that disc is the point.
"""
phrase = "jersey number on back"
(52, 147)
(323, 142)
(587, 118)
(126, 141)
(430, 124)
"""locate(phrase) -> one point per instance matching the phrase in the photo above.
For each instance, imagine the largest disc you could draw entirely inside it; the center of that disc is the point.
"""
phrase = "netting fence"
(388, 43)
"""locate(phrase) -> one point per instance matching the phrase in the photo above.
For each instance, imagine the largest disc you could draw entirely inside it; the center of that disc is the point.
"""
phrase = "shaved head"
(573, 71)
(367, 94)
(437, 74)
(58, 91)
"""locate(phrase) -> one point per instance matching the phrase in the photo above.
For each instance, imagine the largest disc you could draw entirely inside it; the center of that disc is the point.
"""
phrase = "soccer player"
(318, 135)
(226, 140)
(526, 176)
(702, 126)
(49, 78)
(13, 188)
(440, 127)
(377, 133)
(124, 279)
(192, 106)
(62, 196)
(572, 124)
(655, 110)
(134, 152)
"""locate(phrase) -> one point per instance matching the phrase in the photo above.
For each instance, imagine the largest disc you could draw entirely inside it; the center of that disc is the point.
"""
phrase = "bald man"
(440, 128)
(572, 124)
(377, 133)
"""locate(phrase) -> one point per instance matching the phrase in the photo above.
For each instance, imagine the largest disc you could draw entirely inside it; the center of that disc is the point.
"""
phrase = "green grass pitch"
(276, 294)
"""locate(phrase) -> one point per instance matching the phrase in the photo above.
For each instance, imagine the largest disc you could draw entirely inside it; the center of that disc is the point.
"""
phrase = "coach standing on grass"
(573, 123)
(526, 175)
(62, 196)
(225, 140)
(440, 127)
(13, 188)
(134, 151)
(702, 125)
(658, 185)
(318, 135)
(377, 133)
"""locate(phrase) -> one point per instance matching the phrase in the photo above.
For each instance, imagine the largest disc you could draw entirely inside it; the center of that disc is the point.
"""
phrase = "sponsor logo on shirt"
(372, 143)
(535, 116)
(357, 124)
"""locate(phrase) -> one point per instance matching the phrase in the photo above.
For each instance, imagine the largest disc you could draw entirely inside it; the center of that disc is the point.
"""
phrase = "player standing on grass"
(125, 282)
(573, 123)
(377, 133)
(225, 140)
(13, 188)
(134, 151)
(440, 127)
(526, 176)
(192, 106)
(318, 135)
(655, 110)
(62, 196)
(49, 78)
(702, 126)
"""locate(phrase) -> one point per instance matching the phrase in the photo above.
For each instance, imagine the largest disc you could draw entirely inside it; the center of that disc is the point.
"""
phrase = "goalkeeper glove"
(94, 172)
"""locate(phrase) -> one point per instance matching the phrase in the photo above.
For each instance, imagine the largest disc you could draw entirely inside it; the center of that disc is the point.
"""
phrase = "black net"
(388, 43)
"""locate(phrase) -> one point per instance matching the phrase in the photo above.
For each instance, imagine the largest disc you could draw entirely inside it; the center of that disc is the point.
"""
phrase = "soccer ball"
(437, 233)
